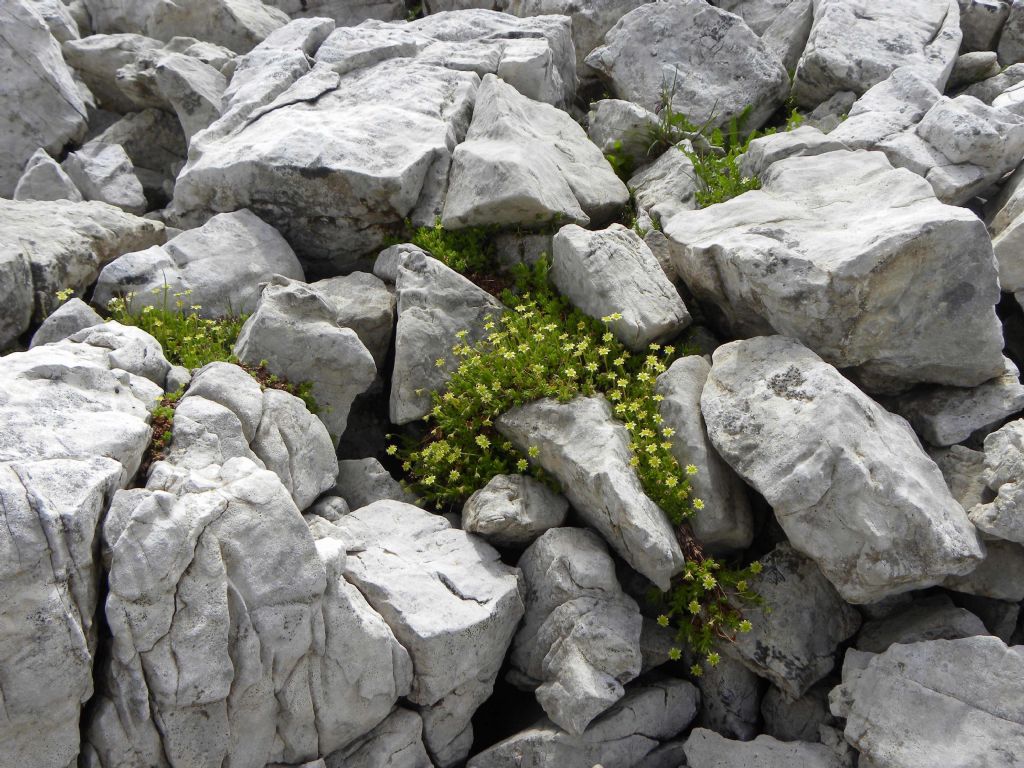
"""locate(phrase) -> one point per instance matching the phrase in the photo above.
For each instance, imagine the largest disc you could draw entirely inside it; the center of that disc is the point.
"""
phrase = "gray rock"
(855, 44)
(840, 484)
(1011, 39)
(893, 106)
(973, 68)
(964, 473)
(758, 14)
(587, 451)
(667, 185)
(113, 67)
(59, 19)
(68, 319)
(981, 21)
(364, 481)
(50, 246)
(988, 90)
(347, 13)
(220, 267)
(193, 88)
(932, 618)
(1003, 516)
(612, 271)
(74, 424)
(730, 697)
(914, 705)
(104, 172)
(449, 601)
(789, 645)
(802, 141)
(787, 35)
(435, 304)
(40, 105)
(580, 639)
(44, 179)
(707, 82)
(366, 305)
(831, 113)
(948, 415)
(726, 523)
(295, 329)
(530, 170)
(706, 749)
(788, 719)
(768, 261)
(999, 616)
(999, 576)
(1007, 243)
(621, 738)
(621, 127)
(155, 143)
(668, 755)
(513, 510)
(396, 743)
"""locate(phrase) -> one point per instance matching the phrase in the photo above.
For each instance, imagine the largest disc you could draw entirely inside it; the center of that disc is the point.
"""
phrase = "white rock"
(786, 37)
(220, 266)
(70, 318)
(59, 19)
(580, 639)
(193, 88)
(434, 304)
(963, 470)
(587, 451)
(612, 271)
(849, 482)
(803, 141)
(1008, 244)
(296, 331)
(366, 305)
(344, 12)
(1003, 516)
(111, 66)
(666, 186)
(894, 105)
(855, 44)
(449, 601)
(395, 743)
(973, 68)
(525, 162)
(843, 283)
(104, 173)
(726, 523)
(364, 481)
(709, 61)
(44, 179)
(933, 618)
(706, 749)
(49, 246)
(1000, 576)
(39, 104)
(917, 706)
(513, 510)
(621, 127)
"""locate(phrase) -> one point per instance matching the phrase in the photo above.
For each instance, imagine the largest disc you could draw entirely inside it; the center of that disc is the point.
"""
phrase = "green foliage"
(468, 251)
(187, 338)
(542, 347)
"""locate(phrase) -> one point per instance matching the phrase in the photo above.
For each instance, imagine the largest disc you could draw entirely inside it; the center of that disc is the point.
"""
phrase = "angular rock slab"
(296, 330)
(933, 618)
(527, 163)
(954, 703)
(435, 304)
(614, 272)
(587, 451)
(40, 105)
(621, 738)
(707, 749)
(1003, 516)
(793, 644)
(74, 424)
(848, 481)
(44, 179)
(709, 61)
(236, 640)
(367, 306)
(580, 639)
(726, 522)
(220, 265)
(49, 246)
(856, 260)
(855, 44)
(450, 602)
(335, 163)
(104, 172)
(395, 743)
(513, 510)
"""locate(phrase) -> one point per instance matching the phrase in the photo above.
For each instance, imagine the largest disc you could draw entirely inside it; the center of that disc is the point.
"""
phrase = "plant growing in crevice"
(162, 424)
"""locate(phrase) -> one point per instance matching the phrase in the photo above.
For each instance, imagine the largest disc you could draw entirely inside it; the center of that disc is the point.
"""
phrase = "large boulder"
(954, 703)
(580, 639)
(513, 510)
(44, 179)
(74, 424)
(364, 303)
(707, 61)
(193, 88)
(848, 481)
(450, 602)
(581, 445)
(104, 172)
(39, 104)
(859, 262)
(50, 246)
(219, 267)
(527, 163)
(855, 44)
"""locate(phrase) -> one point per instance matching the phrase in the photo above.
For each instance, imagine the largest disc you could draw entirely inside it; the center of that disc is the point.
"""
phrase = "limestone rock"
(1003, 516)
(104, 172)
(855, 491)
(396, 743)
(347, 13)
(449, 601)
(973, 68)
(981, 22)
(1000, 576)
(730, 697)
(964, 470)
(855, 44)
(914, 705)
(220, 266)
(434, 304)
(1011, 39)
(39, 105)
(527, 163)
(706, 749)
(933, 618)
(788, 719)
(366, 305)
(295, 329)
(666, 186)
(618, 126)
(44, 179)
(845, 283)
(710, 63)
(513, 510)
(155, 143)
(580, 639)
(726, 522)
(112, 67)
(364, 481)
(70, 318)
(193, 88)
(802, 141)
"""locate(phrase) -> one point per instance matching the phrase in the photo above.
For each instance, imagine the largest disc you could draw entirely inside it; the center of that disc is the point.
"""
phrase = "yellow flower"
(439, 362)
(698, 504)
(392, 450)
(534, 451)
(429, 480)
(675, 654)
(756, 567)
(522, 465)
(482, 441)
(663, 620)
(691, 469)
(668, 431)
(708, 581)
(746, 626)
(696, 670)
(693, 607)
(713, 659)
(671, 481)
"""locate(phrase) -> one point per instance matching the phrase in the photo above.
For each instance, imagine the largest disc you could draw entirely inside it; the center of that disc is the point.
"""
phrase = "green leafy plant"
(302, 390)
(162, 424)
(468, 251)
(542, 347)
